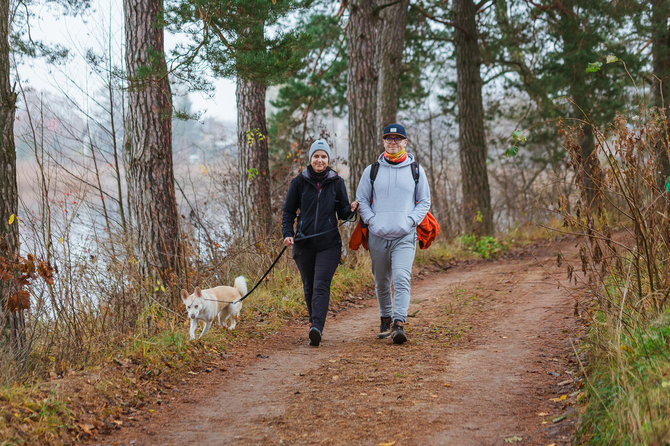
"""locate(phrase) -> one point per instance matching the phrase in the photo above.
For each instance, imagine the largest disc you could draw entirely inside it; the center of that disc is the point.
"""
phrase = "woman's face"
(319, 161)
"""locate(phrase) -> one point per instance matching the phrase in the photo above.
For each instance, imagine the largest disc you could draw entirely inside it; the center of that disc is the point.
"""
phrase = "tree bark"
(252, 144)
(477, 213)
(391, 41)
(12, 335)
(590, 174)
(573, 37)
(362, 78)
(661, 62)
(148, 142)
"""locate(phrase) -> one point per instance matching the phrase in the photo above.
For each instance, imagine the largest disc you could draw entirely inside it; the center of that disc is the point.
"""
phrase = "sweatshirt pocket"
(391, 224)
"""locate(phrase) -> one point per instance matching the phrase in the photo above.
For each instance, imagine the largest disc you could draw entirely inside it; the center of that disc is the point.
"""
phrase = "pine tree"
(587, 34)
(660, 44)
(231, 37)
(362, 78)
(477, 212)
(390, 46)
(148, 142)
(11, 319)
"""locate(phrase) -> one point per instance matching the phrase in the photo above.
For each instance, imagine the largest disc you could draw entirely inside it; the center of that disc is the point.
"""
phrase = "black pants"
(317, 268)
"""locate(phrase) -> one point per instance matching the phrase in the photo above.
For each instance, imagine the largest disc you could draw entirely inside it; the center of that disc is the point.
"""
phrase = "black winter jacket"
(319, 205)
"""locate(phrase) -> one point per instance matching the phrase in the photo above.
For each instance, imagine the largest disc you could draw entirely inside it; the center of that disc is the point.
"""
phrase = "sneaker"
(314, 336)
(385, 328)
(398, 332)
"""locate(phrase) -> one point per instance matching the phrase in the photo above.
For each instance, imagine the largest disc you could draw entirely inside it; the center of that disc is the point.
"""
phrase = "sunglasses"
(394, 138)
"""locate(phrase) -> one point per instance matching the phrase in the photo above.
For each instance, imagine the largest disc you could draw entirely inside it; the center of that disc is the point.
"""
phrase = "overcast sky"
(79, 34)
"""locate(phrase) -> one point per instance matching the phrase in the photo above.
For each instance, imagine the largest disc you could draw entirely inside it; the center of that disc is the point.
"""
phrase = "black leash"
(264, 276)
(296, 239)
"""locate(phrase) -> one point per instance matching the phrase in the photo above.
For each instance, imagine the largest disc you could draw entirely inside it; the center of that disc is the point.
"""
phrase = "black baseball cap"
(394, 129)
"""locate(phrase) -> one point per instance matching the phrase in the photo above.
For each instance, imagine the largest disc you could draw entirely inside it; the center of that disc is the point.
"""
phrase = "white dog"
(205, 305)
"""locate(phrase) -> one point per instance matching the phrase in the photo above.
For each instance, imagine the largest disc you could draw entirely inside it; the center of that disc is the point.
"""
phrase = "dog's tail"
(241, 285)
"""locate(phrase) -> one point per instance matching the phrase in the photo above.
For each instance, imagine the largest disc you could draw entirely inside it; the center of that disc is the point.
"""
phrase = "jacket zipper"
(316, 216)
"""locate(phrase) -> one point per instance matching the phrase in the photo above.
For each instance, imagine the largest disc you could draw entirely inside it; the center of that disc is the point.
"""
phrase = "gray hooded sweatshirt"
(393, 213)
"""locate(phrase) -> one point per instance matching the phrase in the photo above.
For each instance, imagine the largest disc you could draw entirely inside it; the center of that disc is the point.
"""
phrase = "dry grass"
(628, 272)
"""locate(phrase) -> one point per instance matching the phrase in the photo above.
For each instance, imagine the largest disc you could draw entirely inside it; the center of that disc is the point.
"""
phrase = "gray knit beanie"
(319, 144)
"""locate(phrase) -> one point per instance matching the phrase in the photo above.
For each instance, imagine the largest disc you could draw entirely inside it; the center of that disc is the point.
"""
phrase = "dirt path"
(489, 347)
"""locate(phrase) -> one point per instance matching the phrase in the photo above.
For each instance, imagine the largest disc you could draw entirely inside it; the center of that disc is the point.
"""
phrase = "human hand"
(354, 205)
(288, 241)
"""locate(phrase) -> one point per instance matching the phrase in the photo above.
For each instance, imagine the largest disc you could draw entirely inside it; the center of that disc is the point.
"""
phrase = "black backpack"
(375, 168)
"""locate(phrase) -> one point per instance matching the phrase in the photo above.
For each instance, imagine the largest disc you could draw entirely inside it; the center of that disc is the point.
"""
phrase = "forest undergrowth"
(623, 215)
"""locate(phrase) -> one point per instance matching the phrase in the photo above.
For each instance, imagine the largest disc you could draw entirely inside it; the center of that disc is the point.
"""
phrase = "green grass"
(31, 416)
(486, 247)
(628, 391)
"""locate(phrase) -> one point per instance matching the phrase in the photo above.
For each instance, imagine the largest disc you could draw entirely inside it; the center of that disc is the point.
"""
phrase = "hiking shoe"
(314, 336)
(398, 332)
(385, 328)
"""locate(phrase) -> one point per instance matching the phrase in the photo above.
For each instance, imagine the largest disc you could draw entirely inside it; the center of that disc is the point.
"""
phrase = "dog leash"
(351, 218)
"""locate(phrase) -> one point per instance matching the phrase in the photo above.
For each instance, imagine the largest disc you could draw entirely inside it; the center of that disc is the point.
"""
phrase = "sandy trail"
(489, 346)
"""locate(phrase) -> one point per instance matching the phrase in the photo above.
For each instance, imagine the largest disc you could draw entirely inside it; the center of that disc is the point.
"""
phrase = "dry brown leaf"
(87, 428)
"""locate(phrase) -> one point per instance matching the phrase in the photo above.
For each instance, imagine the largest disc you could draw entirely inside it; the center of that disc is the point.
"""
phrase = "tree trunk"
(581, 92)
(364, 135)
(661, 61)
(591, 174)
(391, 41)
(477, 213)
(148, 142)
(12, 335)
(252, 144)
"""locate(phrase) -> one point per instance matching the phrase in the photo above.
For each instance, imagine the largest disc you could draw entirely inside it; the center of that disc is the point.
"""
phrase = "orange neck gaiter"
(397, 158)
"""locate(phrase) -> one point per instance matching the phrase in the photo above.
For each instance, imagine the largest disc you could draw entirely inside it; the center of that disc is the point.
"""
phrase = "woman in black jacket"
(320, 195)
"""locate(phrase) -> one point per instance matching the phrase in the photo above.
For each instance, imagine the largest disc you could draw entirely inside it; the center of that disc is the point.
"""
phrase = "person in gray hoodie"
(392, 207)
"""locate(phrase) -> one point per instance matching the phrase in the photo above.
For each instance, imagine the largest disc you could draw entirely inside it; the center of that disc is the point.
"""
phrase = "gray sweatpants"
(392, 265)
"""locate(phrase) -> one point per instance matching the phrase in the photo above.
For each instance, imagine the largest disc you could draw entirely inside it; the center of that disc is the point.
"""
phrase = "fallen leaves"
(87, 428)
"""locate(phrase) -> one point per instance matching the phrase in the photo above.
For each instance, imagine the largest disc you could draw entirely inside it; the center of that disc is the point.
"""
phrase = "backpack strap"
(415, 175)
(415, 172)
(374, 168)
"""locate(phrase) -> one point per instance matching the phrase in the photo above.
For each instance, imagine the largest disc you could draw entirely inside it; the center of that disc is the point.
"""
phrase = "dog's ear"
(198, 291)
(184, 294)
